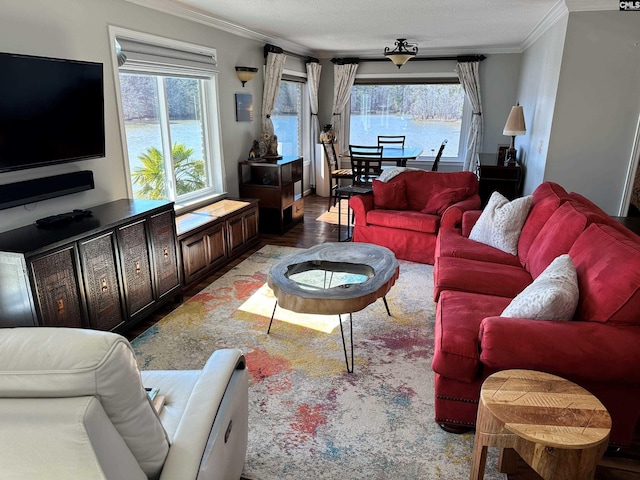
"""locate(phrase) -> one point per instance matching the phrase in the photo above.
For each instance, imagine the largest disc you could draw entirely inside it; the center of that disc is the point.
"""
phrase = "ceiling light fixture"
(245, 74)
(402, 53)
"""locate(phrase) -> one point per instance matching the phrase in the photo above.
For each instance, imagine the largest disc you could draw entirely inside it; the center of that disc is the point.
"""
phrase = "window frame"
(465, 124)
(211, 116)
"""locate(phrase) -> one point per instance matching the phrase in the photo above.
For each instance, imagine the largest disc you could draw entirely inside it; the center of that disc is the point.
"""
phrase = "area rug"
(308, 417)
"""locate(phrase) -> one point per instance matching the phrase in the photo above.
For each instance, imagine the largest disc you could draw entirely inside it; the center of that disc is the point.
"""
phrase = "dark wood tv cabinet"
(105, 272)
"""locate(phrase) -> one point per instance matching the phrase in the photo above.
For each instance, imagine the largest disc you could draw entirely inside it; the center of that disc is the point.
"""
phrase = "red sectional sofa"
(599, 349)
(406, 228)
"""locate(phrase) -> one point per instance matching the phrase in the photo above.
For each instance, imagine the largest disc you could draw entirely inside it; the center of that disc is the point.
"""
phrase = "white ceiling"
(325, 28)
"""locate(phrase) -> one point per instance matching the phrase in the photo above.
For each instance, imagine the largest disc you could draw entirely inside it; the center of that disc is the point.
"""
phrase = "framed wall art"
(244, 107)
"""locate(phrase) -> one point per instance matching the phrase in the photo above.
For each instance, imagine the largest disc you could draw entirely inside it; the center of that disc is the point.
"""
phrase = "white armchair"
(73, 406)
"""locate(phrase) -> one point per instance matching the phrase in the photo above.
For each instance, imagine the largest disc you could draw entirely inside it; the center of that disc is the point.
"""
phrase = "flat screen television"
(51, 111)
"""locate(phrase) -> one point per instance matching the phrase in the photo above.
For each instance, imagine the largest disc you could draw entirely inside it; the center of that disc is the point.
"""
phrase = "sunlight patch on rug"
(308, 418)
(262, 304)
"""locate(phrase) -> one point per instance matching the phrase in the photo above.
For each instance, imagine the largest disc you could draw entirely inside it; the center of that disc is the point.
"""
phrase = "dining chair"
(391, 140)
(434, 167)
(335, 172)
(366, 163)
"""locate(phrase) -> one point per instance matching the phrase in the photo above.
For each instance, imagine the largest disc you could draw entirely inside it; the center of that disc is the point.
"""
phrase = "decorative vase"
(328, 134)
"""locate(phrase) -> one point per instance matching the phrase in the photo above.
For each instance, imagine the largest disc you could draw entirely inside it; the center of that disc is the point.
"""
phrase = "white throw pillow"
(501, 222)
(551, 296)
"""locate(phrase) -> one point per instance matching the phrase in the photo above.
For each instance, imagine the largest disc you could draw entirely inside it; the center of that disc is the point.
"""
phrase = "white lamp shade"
(515, 123)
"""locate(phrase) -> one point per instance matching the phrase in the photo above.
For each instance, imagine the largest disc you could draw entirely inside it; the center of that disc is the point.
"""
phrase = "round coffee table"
(557, 427)
(333, 279)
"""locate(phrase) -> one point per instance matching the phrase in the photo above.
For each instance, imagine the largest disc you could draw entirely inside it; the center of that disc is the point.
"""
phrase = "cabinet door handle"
(165, 252)
(105, 287)
(137, 268)
(60, 303)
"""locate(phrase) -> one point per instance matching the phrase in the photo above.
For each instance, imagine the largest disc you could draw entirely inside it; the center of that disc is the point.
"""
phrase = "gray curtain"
(470, 80)
(272, 74)
(313, 84)
(343, 78)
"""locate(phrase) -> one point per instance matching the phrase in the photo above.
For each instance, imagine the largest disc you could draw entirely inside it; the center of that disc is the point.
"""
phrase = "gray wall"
(597, 106)
(538, 86)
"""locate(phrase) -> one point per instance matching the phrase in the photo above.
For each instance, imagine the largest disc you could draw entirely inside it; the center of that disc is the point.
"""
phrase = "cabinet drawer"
(101, 282)
(298, 210)
(202, 251)
(287, 195)
(136, 269)
(57, 289)
(164, 252)
(269, 196)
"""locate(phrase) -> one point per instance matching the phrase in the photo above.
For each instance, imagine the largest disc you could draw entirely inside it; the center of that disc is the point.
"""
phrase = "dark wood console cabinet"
(104, 272)
(278, 185)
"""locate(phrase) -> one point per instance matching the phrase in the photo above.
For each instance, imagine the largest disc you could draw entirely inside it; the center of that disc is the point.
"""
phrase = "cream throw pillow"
(551, 296)
(501, 222)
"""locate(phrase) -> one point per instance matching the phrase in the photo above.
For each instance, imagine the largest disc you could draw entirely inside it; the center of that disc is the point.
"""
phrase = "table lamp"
(514, 126)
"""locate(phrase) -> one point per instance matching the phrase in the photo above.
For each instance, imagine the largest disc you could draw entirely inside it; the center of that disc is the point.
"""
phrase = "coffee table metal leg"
(272, 314)
(384, 299)
(344, 345)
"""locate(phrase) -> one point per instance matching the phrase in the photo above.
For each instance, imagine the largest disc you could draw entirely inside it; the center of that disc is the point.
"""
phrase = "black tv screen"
(51, 111)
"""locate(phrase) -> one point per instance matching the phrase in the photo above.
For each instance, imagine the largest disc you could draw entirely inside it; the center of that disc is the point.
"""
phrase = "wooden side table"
(557, 427)
(506, 180)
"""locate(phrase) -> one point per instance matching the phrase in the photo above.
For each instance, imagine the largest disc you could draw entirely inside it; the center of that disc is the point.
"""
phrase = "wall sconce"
(402, 53)
(245, 74)
(514, 126)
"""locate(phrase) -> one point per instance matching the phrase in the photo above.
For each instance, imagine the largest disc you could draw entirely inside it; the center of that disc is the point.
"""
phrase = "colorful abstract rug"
(308, 417)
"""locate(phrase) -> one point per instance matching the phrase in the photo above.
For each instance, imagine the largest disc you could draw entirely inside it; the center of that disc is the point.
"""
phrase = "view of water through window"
(425, 114)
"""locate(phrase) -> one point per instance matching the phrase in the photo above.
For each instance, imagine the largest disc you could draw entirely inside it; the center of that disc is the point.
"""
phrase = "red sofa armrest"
(469, 219)
(361, 204)
(591, 351)
(452, 216)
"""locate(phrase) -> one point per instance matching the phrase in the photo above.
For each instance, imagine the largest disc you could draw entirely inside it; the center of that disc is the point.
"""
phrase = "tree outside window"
(165, 126)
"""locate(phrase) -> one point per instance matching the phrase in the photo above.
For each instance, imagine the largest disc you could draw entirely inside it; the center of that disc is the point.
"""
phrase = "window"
(287, 118)
(425, 113)
(169, 116)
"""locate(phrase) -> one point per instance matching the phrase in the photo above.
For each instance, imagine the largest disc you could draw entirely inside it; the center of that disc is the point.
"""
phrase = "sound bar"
(29, 191)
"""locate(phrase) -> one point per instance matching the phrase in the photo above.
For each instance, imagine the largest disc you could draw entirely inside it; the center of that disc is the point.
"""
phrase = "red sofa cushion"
(421, 183)
(557, 235)
(442, 198)
(404, 220)
(390, 195)
(546, 199)
(458, 317)
(465, 275)
(608, 267)
(451, 243)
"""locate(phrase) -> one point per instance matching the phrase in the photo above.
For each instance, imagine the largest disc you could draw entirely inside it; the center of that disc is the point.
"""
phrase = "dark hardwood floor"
(320, 226)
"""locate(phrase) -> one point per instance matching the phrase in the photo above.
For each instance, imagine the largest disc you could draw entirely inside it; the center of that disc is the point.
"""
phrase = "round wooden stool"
(557, 427)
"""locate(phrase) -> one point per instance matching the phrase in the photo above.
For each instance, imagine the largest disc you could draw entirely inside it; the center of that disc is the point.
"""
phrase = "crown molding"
(558, 11)
(195, 15)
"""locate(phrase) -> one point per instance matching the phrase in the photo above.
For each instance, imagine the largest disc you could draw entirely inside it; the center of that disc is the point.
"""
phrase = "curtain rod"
(459, 58)
(272, 48)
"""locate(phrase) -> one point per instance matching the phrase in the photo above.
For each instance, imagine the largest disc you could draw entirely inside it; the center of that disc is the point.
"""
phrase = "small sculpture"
(264, 144)
(272, 148)
(328, 135)
(255, 150)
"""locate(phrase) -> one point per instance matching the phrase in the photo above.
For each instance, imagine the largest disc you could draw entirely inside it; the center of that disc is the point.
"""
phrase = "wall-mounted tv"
(51, 111)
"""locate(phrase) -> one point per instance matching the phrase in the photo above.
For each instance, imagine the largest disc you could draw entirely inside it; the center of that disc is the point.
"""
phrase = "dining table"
(399, 155)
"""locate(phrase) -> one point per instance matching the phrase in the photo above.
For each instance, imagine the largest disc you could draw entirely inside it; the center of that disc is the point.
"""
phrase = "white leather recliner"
(73, 406)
